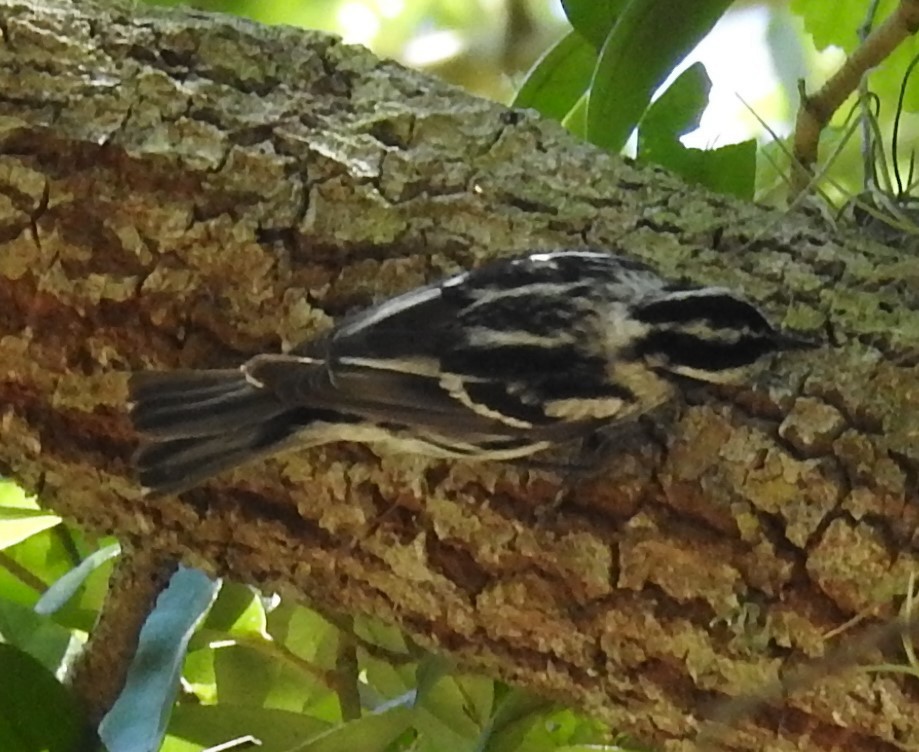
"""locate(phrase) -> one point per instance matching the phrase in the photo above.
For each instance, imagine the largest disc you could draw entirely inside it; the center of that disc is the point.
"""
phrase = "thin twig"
(815, 111)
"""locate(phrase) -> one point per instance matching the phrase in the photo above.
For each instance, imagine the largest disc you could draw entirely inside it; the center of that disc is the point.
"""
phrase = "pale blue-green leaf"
(137, 722)
(64, 587)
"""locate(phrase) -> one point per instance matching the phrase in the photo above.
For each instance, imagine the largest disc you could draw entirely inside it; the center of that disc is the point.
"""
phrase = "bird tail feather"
(199, 423)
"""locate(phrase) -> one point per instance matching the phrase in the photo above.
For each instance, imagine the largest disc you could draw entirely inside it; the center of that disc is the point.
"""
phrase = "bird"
(522, 354)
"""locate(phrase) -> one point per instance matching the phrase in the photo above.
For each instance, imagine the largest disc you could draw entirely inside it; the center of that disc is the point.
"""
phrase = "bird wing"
(510, 349)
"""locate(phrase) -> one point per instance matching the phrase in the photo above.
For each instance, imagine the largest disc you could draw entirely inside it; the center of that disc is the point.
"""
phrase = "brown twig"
(21, 573)
(815, 111)
(98, 675)
(848, 655)
(347, 670)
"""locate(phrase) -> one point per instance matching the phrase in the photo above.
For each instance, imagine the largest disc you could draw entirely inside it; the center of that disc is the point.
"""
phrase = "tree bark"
(185, 190)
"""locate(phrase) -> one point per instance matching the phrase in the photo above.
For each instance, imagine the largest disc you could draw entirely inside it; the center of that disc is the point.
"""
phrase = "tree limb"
(100, 671)
(181, 189)
(815, 111)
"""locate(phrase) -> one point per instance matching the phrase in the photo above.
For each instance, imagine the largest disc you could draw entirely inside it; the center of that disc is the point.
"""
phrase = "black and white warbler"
(498, 363)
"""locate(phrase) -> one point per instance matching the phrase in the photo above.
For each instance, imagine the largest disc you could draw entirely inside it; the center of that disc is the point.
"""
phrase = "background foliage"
(253, 667)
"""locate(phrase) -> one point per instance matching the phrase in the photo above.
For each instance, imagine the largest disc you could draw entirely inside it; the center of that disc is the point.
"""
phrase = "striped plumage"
(497, 363)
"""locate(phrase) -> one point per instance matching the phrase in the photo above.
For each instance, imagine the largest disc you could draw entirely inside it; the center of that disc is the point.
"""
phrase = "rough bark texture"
(99, 673)
(186, 190)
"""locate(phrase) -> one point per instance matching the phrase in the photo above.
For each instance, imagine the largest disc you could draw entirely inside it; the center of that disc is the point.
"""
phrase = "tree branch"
(181, 189)
(99, 673)
(815, 111)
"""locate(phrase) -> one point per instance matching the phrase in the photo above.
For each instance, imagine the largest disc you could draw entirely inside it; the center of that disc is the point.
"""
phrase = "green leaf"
(205, 726)
(245, 676)
(38, 636)
(37, 713)
(517, 713)
(594, 18)
(678, 110)
(45, 556)
(305, 633)
(11, 495)
(81, 611)
(372, 733)
(259, 672)
(648, 41)
(374, 631)
(385, 682)
(443, 713)
(238, 611)
(56, 596)
(198, 674)
(137, 721)
(576, 120)
(17, 524)
(729, 169)
(559, 78)
(430, 670)
(479, 692)
(840, 27)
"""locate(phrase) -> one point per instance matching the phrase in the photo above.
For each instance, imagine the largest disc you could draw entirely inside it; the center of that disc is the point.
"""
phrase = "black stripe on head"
(676, 349)
(719, 309)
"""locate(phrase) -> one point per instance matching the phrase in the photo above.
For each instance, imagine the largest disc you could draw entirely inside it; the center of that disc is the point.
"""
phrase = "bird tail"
(199, 423)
